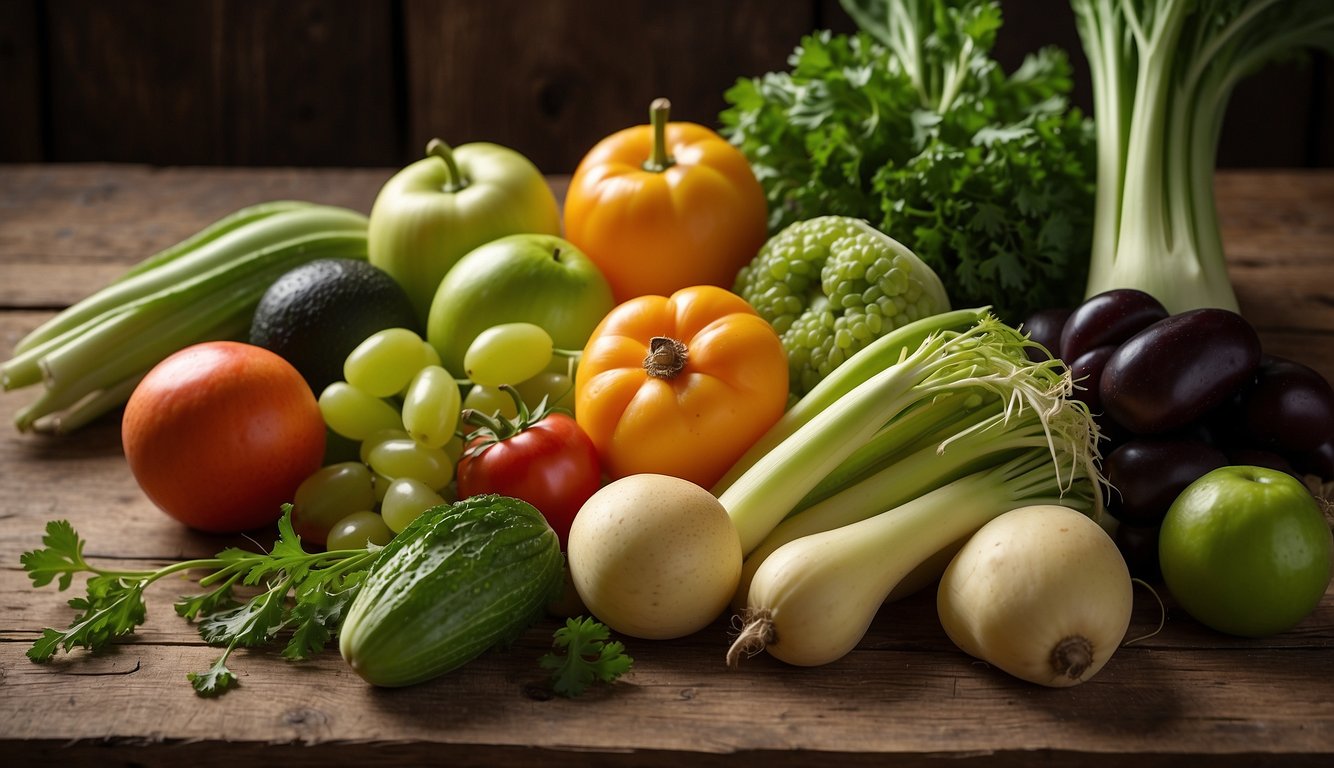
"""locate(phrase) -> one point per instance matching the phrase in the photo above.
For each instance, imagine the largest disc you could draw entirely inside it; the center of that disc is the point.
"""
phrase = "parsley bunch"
(299, 596)
(911, 125)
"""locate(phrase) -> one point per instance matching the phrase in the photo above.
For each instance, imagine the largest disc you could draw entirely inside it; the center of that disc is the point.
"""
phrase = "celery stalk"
(217, 251)
(85, 372)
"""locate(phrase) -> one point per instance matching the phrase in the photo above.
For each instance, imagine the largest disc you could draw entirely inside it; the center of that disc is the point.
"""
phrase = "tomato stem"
(659, 159)
(666, 357)
(456, 180)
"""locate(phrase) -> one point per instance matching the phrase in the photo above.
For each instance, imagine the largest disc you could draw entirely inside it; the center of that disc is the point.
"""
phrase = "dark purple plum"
(1139, 548)
(1176, 370)
(1086, 370)
(1148, 473)
(1318, 462)
(1289, 409)
(1044, 327)
(1109, 318)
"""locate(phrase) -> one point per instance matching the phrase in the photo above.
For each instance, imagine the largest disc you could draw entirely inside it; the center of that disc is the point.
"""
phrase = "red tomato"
(550, 464)
(220, 434)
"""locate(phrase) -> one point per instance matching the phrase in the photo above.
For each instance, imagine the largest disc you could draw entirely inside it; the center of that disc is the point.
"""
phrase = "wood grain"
(222, 82)
(551, 79)
(905, 696)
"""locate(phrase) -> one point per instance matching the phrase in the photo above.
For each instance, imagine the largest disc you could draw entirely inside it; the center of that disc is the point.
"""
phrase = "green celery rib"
(132, 341)
(870, 360)
(228, 223)
(217, 251)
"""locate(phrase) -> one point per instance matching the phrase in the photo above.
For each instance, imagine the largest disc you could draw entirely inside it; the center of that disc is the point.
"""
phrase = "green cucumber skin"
(459, 580)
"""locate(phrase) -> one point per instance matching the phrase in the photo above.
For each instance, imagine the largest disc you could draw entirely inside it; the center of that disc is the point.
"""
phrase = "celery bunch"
(90, 357)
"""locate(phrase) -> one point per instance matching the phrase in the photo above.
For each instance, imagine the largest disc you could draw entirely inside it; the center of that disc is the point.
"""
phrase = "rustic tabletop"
(905, 696)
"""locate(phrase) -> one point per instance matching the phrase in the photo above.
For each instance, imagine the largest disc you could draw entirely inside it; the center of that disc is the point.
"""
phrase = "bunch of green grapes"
(403, 408)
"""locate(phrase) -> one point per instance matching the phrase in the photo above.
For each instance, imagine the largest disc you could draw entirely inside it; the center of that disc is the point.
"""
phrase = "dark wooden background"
(366, 83)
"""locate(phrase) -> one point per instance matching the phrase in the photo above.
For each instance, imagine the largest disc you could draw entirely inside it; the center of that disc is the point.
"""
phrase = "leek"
(988, 360)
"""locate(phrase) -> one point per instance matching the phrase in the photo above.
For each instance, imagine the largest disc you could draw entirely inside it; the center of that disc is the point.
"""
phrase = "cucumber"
(458, 580)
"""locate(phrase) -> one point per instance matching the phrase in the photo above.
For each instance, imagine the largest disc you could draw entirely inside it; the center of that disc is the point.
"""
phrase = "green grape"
(409, 458)
(490, 400)
(379, 436)
(431, 406)
(381, 486)
(404, 500)
(328, 495)
(507, 354)
(557, 388)
(355, 414)
(454, 448)
(358, 529)
(385, 362)
(432, 356)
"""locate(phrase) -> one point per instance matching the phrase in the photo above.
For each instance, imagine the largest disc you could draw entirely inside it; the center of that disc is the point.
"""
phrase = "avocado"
(316, 314)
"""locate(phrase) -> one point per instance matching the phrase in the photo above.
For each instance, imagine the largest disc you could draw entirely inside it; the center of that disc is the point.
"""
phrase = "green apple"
(531, 278)
(435, 210)
(1246, 551)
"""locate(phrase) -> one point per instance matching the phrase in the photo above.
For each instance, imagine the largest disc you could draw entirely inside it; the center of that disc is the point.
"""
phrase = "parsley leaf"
(304, 593)
(582, 655)
(909, 124)
(215, 681)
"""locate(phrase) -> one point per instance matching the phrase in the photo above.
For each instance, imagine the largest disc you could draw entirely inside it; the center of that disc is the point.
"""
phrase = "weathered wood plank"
(905, 695)
(220, 82)
(551, 79)
(20, 94)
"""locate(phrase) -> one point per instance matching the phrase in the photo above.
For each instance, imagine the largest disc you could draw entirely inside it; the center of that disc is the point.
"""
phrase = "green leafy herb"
(909, 124)
(582, 655)
(300, 595)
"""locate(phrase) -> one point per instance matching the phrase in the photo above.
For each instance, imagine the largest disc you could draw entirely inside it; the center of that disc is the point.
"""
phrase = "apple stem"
(659, 160)
(438, 148)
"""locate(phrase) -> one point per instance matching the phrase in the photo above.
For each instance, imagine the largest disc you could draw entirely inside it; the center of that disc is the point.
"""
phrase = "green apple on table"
(1246, 551)
(428, 215)
(527, 278)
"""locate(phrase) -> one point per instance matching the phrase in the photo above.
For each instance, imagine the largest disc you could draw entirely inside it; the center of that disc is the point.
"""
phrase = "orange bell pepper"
(665, 206)
(680, 385)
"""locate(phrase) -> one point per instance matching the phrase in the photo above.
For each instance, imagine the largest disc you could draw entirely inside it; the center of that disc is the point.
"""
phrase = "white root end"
(1072, 657)
(757, 632)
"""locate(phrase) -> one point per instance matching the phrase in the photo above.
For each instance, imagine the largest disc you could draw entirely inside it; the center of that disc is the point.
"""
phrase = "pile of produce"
(727, 379)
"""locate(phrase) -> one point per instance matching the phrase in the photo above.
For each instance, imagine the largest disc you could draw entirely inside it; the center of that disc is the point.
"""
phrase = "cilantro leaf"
(582, 655)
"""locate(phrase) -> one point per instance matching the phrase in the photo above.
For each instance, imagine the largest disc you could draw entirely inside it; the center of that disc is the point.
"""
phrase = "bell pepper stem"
(438, 148)
(659, 160)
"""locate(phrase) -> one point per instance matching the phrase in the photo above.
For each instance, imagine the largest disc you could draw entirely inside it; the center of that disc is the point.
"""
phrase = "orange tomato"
(220, 434)
(680, 385)
(665, 206)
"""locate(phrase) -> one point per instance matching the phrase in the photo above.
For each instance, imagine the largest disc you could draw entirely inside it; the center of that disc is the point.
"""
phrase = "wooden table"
(906, 695)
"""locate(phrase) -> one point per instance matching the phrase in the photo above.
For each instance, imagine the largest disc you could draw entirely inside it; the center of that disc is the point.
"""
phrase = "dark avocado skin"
(316, 314)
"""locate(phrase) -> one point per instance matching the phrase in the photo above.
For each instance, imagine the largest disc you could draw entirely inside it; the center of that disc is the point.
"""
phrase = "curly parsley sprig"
(582, 655)
(301, 596)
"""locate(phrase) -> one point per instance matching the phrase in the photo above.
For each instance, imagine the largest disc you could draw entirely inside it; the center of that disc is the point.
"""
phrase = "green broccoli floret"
(832, 284)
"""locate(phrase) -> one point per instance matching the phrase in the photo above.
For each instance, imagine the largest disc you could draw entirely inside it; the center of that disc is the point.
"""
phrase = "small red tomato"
(220, 434)
(543, 458)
